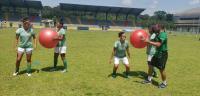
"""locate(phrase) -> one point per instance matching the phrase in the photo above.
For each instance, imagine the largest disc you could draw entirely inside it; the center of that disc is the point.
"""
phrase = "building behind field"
(74, 16)
(188, 21)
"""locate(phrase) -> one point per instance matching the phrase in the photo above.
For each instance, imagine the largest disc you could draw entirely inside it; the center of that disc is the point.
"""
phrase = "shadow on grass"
(136, 74)
(32, 71)
(142, 75)
(48, 69)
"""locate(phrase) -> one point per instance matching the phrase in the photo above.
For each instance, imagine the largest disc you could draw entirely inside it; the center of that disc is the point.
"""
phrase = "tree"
(160, 15)
(169, 17)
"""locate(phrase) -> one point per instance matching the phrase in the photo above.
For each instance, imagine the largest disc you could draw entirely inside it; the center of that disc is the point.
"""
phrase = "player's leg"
(64, 62)
(55, 59)
(149, 58)
(162, 63)
(126, 63)
(115, 67)
(62, 52)
(20, 52)
(28, 58)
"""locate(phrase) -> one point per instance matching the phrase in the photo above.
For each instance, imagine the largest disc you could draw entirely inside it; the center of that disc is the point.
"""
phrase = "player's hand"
(110, 61)
(144, 39)
(16, 49)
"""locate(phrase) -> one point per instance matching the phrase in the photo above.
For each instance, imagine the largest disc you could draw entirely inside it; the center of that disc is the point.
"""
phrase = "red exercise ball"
(46, 36)
(136, 36)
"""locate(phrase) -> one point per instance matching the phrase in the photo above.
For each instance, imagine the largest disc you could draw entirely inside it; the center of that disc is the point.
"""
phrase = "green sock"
(28, 70)
(65, 63)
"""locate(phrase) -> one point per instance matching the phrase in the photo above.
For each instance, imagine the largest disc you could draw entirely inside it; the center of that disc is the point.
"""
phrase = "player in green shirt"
(159, 60)
(121, 46)
(151, 50)
(61, 47)
(24, 37)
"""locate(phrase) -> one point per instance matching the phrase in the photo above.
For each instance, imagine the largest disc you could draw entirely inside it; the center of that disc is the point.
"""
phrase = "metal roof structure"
(102, 9)
(21, 3)
(191, 13)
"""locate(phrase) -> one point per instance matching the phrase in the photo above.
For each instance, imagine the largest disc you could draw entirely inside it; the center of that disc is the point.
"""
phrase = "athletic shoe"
(53, 69)
(64, 70)
(28, 74)
(146, 82)
(114, 75)
(162, 85)
(15, 73)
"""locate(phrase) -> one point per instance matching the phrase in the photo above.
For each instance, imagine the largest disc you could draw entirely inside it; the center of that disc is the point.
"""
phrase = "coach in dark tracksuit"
(160, 58)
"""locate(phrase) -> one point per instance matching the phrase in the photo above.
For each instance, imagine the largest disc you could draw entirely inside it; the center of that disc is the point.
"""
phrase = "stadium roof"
(21, 3)
(103, 9)
(194, 12)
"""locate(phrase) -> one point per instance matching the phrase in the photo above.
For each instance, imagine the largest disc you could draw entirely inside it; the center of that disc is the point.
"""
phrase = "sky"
(169, 6)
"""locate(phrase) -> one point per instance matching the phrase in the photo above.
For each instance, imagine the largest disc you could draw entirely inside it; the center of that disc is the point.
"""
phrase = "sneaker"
(15, 74)
(28, 74)
(114, 75)
(53, 69)
(162, 85)
(64, 70)
(146, 82)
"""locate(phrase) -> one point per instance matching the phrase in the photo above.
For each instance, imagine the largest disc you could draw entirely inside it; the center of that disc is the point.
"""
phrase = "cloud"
(152, 7)
(154, 4)
(194, 2)
(127, 3)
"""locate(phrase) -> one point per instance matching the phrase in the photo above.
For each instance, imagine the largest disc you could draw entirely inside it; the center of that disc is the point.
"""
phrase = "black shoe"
(162, 85)
(114, 75)
(146, 82)
(53, 69)
(127, 75)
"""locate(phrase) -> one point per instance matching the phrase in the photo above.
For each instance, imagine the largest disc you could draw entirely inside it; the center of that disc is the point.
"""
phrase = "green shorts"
(160, 61)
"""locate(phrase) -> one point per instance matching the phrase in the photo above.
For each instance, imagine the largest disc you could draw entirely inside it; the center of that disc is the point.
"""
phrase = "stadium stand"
(100, 9)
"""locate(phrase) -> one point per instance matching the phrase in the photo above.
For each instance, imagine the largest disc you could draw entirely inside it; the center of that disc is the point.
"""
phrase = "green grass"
(88, 54)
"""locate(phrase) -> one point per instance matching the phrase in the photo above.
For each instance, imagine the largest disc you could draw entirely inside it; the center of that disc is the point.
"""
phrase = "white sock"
(165, 82)
(149, 78)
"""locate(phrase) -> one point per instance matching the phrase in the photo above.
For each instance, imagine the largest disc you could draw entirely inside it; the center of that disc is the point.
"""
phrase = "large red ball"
(136, 36)
(46, 38)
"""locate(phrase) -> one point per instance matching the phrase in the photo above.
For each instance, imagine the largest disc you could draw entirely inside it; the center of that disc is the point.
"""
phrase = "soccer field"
(88, 54)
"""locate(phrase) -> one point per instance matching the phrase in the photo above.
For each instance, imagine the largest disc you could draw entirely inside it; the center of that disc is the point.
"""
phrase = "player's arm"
(60, 37)
(157, 44)
(128, 52)
(35, 41)
(112, 55)
(16, 41)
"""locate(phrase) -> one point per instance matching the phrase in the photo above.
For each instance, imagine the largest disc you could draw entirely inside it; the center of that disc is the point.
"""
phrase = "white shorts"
(149, 57)
(22, 50)
(124, 60)
(60, 50)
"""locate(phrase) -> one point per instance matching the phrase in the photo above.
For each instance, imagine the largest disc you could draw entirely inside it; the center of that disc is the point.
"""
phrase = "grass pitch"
(88, 73)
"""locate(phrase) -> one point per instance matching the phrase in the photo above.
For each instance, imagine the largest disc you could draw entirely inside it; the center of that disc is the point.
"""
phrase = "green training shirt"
(162, 38)
(62, 42)
(25, 37)
(151, 50)
(120, 48)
